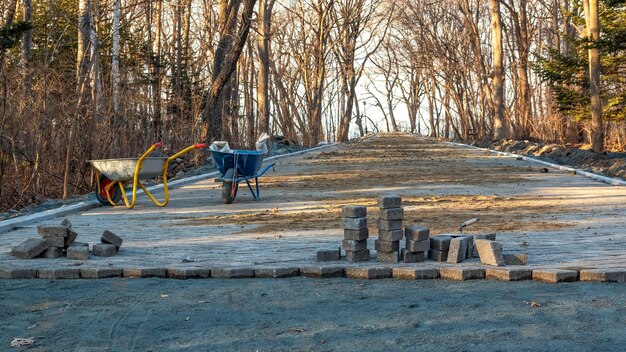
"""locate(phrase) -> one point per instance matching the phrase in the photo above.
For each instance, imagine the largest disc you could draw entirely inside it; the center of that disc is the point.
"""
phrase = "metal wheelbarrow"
(112, 172)
(237, 166)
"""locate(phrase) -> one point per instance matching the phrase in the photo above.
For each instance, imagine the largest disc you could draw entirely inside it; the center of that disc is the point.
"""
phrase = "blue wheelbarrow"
(237, 166)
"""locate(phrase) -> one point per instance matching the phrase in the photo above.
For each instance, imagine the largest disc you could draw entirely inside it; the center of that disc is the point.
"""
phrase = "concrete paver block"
(350, 211)
(515, 259)
(387, 246)
(555, 275)
(356, 235)
(232, 273)
(457, 250)
(354, 246)
(135, 273)
(415, 273)
(276, 272)
(18, 273)
(58, 273)
(30, 248)
(440, 242)
(603, 275)
(417, 246)
(389, 202)
(328, 255)
(440, 256)
(412, 257)
(416, 233)
(390, 225)
(508, 274)
(77, 252)
(359, 256)
(104, 249)
(490, 252)
(369, 273)
(388, 257)
(484, 236)
(67, 223)
(52, 231)
(323, 272)
(54, 241)
(111, 238)
(389, 236)
(53, 252)
(100, 273)
(71, 237)
(462, 274)
(391, 214)
(354, 223)
(188, 273)
(470, 247)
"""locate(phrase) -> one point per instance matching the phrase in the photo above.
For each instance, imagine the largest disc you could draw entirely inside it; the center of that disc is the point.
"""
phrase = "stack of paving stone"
(389, 229)
(109, 246)
(417, 244)
(439, 246)
(355, 233)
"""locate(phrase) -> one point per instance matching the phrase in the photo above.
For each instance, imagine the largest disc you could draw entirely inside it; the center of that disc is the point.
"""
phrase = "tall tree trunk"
(157, 121)
(115, 62)
(27, 42)
(263, 45)
(499, 121)
(593, 32)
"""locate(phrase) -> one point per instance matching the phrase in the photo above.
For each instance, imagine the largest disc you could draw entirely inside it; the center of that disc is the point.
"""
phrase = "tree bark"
(499, 121)
(593, 32)
(263, 46)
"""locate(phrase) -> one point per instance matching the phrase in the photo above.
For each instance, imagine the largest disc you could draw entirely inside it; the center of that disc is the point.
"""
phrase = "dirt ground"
(302, 314)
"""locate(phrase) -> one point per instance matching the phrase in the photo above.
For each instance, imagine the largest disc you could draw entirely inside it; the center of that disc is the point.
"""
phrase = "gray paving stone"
(84, 244)
(391, 201)
(66, 223)
(440, 242)
(323, 272)
(354, 223)
(390, 225)
(100, 273)
(356, 235)
(369, 273)
(515, 258)
(388, 257)
(440, 256)
(470, 247)
(508, 274)
(276, 272)
(417, 246)
(415, 273)
(58, 273)
(77, 252)
(52, 231)
(232, 273)
(354, 246)
(18, 273)
(412, 257)
(30, 248)
(359, 256)
(104, 249)
(328, 255)
(603, 275)
(188, 273)
(350, 211)
(555, 275)
(55, 241)
(416, 233)
(484, 236)
(457, 250)
(490, 252)
(387, 246)
(53, 252)
(462, 274)
(111, 238)
(71, 237)
(135, 273)
(389, 236)
(391, 214)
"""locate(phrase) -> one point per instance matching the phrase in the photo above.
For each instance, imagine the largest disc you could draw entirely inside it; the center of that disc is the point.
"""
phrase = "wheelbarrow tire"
(229, 188)
(114, 192)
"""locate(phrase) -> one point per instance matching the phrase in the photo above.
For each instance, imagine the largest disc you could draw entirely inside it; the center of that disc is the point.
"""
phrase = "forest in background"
(93, 79)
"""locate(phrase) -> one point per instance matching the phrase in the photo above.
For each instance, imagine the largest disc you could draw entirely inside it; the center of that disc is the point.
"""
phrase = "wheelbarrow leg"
(255, 195)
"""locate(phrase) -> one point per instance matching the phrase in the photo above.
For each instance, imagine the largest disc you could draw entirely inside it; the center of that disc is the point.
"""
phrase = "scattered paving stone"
(188, 273)
(58, 273)
(136, 273)
(515, 259)
(440, 242)
(359, 256)
(100, 273)
(55, 241)
(508, 274)
(104, 249)
(417, 246)
(323, 272)
(389, 202)
(390, 225)
(71, 237)
(470, 247)
(388, 257)
(457, 250)
(84, 244)
(369, 273)
(416, 233)
(555, 275)
(356, 235)
(484, 236)
(66, 223)
(328, 255)
(415, 273)
(354, 246)
(232, 273)
(603, 275)
(111, 238)
(390, 236)
(77, 252)
(18, 273)
(53, 252)
(412, 257)
(276, 272)
(386, 246)
(490, 252)
(391, 214)
(440, 256)
(52, 231)
(354, 211)
(30, 248)
(462, 274)
(354, 223)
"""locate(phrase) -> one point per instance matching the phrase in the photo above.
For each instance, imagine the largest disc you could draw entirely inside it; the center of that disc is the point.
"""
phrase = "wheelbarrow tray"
(124, 169)
(248, 162)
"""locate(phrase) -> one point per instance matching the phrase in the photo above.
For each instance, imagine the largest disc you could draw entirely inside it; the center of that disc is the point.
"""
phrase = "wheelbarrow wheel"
(229, 188)
(114, 192)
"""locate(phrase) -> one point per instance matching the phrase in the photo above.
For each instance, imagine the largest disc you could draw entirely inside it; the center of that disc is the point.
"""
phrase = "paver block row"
(508, 274)
(323, 272)
(369, 273)
(603, 275)
(555, 275)
(232, 273)
(58, 273)
(100, 273)
(18, 273)
(136, 273)
(462, 274)
(415, 273)
(276, 272)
